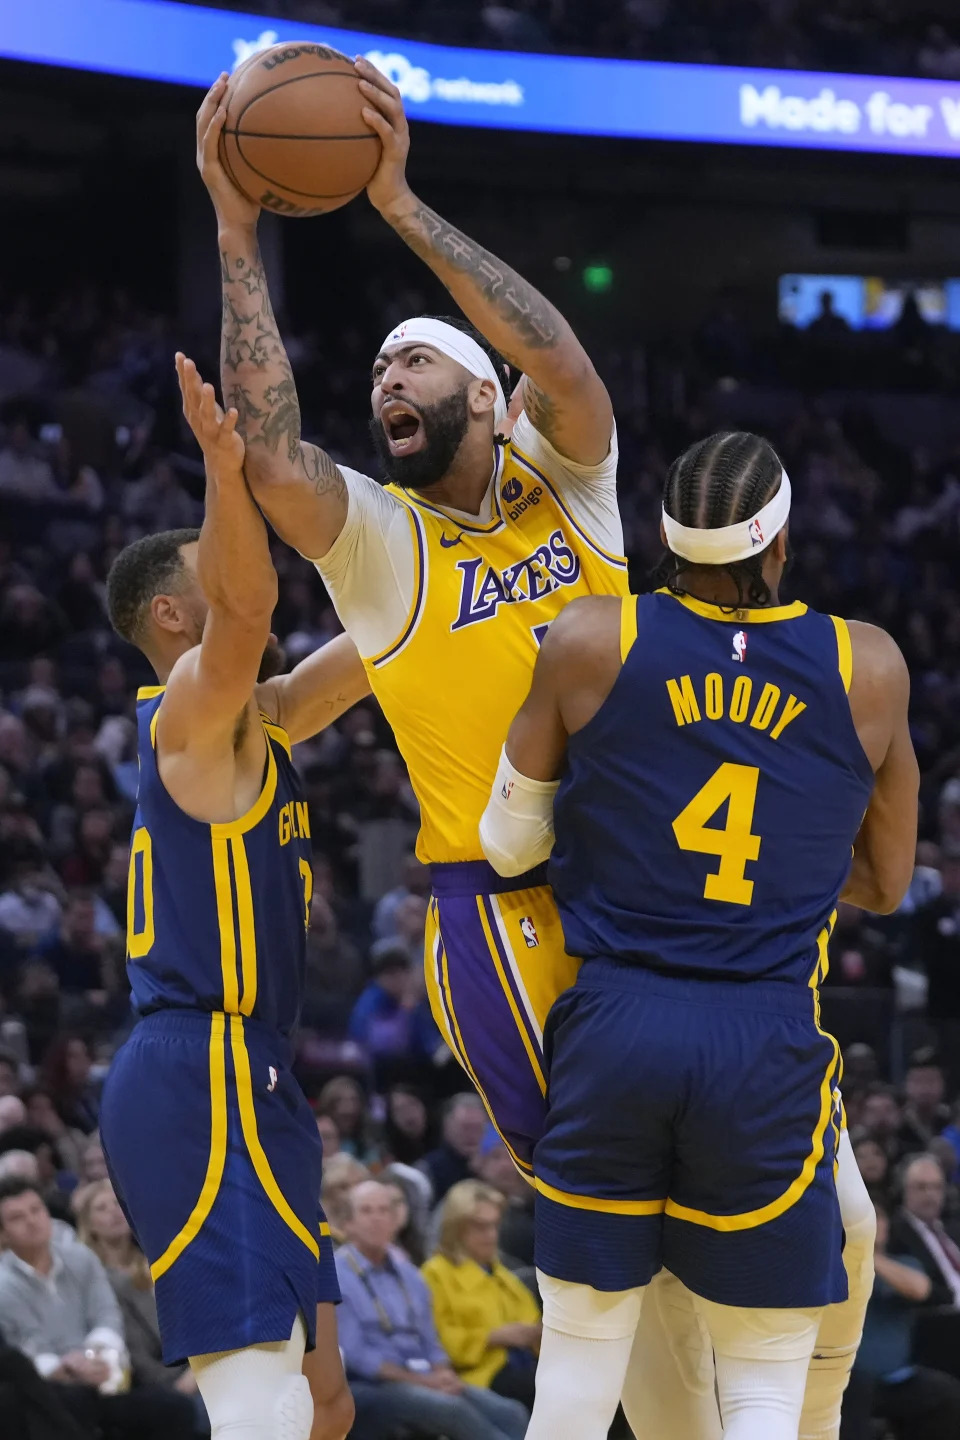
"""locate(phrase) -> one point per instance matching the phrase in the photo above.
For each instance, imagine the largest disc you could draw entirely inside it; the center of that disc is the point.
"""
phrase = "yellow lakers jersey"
(459, 670)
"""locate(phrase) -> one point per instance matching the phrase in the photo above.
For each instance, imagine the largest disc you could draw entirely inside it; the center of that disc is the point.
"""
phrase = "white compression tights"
(842, 1325)
(258, 1393)
(761, 1357)
(669, 1386)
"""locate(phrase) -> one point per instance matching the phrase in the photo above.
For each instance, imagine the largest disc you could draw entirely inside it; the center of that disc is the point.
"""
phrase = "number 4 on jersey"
(735, 786)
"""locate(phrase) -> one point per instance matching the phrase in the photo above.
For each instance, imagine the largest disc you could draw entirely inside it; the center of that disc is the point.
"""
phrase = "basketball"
(294, 140)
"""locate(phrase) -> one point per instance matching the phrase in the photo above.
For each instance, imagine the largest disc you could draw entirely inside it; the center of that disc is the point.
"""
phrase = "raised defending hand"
(231, 205)
(383, 112)
(216, 432)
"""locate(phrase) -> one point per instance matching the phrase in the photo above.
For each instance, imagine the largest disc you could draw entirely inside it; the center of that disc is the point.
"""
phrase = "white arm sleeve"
(369, 568)
(588, 491)
(516, 829)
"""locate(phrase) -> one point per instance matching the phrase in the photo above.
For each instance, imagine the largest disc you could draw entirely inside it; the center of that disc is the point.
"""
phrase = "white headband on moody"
(456, 346)
(728, 543)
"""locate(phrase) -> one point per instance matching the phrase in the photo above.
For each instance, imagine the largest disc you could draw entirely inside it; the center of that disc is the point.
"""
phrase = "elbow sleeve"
(516, 829)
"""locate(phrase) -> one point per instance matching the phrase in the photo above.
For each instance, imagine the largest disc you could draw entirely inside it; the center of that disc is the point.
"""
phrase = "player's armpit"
(885, 848)
(317, 691)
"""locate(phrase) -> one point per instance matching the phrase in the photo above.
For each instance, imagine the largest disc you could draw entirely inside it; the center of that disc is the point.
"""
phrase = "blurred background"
(813, 296)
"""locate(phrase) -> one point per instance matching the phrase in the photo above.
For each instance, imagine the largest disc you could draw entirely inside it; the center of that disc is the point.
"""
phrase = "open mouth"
(402, 427)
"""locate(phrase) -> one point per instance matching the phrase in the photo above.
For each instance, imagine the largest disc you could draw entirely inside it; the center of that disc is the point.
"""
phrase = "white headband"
(728, 543)
(456, 346)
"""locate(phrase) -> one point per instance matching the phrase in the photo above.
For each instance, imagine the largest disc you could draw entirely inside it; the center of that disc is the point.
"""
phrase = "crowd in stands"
(420, 1193)
(885, 37)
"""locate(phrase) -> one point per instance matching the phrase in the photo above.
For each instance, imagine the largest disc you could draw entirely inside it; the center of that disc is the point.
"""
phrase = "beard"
(444, 425)
(273, 661)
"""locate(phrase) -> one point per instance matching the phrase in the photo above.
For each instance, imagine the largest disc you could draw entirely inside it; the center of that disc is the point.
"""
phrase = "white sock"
(587, 1339)
(842, 1325)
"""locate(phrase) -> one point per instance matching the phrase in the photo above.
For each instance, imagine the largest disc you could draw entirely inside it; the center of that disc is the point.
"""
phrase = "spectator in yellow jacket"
(487, 1320)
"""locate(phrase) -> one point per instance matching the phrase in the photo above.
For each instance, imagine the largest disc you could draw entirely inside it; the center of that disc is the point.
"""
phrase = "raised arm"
(883, 854)
(211, 686)
(297, 485)
(563, 394)
(317, 691)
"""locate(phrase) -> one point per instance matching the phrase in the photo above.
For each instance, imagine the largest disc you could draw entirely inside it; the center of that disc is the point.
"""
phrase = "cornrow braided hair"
(720, 481)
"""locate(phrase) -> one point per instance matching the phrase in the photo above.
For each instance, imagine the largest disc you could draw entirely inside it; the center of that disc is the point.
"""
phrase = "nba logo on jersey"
(273, 1078)
(529, 932)
(740, 645)
(506, 789)
(756, 534)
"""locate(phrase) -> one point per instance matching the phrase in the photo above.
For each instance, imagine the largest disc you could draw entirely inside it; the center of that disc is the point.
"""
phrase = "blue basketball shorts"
(216, 1160)
(691, 1124)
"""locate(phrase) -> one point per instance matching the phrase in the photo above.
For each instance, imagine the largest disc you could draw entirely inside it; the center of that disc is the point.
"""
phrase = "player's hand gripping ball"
(289, 133)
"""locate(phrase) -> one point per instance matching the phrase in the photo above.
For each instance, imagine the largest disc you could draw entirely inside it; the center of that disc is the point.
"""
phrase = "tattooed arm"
(563, 395)
(297, 485)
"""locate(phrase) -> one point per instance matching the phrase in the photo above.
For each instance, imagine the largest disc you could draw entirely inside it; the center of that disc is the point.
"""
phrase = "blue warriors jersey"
(705, 822)
(216, 914)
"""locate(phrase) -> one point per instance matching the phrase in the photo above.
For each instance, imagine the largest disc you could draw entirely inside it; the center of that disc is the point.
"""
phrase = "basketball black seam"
(293, 80)
(273, 135)
(304, 194)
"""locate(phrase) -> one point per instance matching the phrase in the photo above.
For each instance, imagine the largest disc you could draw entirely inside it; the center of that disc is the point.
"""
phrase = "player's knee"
(333, 1420)
(293, 1409)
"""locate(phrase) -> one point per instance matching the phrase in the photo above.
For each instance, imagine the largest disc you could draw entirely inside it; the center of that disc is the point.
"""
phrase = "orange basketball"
(294, 139)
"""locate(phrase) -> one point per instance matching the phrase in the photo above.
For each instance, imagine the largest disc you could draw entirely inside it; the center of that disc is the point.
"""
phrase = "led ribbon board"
(508, 90)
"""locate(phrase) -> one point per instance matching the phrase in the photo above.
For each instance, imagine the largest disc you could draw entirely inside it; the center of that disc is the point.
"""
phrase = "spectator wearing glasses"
(398, 1371)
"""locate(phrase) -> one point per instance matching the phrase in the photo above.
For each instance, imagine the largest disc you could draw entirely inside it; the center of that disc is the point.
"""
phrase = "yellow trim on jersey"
(628, 626)
(218, 1152)
(822, 967)
(844, 651)
(608, 1207)
(223, 830)
(245, 925)
(277, 732)
(153, 727)
(150, 692)
(519, 1020)
(228, 939)
(738, 616)
(248, 1124)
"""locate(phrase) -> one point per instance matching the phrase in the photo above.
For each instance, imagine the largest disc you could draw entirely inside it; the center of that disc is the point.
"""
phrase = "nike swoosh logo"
(447, 543)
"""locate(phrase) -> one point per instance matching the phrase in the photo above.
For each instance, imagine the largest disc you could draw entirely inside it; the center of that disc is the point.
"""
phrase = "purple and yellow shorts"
(495, 963)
